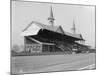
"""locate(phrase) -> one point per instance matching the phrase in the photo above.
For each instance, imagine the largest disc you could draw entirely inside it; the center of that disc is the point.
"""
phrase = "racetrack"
(48, 63)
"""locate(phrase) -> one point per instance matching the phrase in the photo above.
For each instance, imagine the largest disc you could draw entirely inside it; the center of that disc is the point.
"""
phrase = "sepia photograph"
(52, 37)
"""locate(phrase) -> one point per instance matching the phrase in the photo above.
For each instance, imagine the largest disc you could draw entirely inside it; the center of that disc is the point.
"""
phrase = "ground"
(48, 63)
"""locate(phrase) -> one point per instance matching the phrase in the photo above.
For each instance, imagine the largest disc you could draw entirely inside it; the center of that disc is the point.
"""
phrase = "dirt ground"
(48, 63)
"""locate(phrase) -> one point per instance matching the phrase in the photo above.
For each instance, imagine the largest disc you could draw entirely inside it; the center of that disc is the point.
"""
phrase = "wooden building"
(40, 38)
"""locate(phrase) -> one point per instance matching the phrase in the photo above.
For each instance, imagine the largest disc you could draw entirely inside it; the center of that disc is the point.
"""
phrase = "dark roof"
(40, 40)
(57, 29)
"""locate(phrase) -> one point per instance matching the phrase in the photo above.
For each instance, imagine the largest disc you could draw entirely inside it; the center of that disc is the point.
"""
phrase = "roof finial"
(51, 18)
(73, 28)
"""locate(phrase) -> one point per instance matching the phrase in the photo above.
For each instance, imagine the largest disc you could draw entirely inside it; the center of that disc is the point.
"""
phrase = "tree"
(16, 48)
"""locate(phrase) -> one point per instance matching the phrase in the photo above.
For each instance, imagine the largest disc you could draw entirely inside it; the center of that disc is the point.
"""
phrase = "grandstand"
(51, 38)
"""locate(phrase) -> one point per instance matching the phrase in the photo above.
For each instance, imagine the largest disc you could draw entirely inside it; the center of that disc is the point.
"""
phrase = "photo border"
(47, 3)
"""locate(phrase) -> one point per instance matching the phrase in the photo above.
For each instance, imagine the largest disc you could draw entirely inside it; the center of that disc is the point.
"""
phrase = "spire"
(73, 28)
(51, 18)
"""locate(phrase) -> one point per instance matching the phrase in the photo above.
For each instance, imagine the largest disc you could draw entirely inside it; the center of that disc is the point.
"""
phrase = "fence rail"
(36, 54)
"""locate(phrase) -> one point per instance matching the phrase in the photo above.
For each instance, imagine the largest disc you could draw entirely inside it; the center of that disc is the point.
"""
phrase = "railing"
(38, 54)
(65, 49)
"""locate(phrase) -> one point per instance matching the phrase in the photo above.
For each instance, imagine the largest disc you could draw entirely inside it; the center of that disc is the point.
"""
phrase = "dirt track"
(33, 64)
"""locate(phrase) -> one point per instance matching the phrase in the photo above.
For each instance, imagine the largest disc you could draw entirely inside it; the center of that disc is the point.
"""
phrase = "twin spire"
(51, 21)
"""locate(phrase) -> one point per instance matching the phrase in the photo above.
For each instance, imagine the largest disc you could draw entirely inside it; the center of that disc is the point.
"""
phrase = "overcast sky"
(25, 12)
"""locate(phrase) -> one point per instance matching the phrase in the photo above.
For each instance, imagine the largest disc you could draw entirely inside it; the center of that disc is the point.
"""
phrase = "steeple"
(73, 28)
(51, 18)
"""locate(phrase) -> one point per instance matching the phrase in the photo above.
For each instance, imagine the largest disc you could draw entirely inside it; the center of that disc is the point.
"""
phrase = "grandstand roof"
(34, 27)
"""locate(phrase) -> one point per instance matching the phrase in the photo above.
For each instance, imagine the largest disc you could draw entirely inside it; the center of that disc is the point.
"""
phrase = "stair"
(65, 49)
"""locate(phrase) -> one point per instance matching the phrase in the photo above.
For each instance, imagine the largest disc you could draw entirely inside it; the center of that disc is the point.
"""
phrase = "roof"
(40, 40)
(34, 27)
(79, 36)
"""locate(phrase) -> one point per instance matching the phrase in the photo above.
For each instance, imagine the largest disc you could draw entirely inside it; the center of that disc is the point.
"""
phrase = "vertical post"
(24, 43)
(41, 47)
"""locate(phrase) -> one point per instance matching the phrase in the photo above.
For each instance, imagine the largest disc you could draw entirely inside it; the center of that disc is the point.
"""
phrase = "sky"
(23, 13)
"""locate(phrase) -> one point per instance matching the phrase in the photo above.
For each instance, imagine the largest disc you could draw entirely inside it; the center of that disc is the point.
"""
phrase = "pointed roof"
(38, 26)
(51, 17)
(60, 30)
(73, 28)
(81, 37)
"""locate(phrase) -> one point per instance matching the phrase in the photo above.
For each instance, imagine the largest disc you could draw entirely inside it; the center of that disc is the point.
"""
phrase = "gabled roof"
(34, 27)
